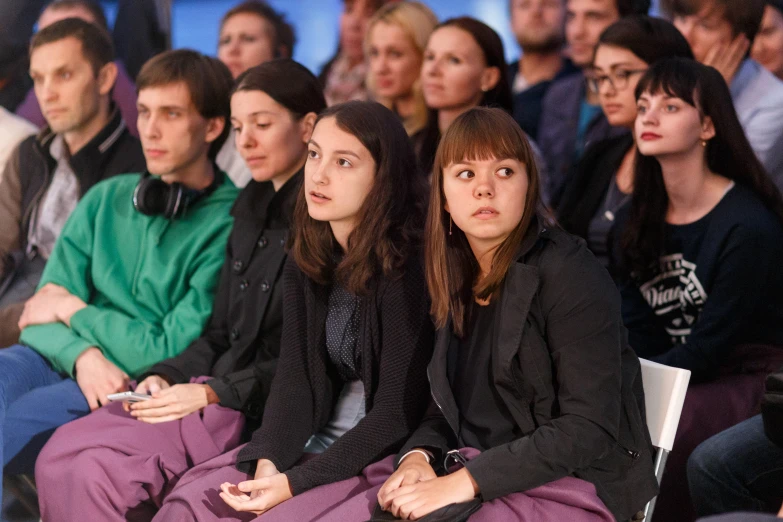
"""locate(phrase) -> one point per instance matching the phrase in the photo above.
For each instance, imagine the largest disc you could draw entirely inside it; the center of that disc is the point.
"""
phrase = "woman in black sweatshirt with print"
(699, 257)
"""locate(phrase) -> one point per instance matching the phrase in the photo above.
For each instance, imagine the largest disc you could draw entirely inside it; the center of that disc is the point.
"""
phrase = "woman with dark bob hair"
(206, 397)
(356, 335)
(699, 257)
(531, 375)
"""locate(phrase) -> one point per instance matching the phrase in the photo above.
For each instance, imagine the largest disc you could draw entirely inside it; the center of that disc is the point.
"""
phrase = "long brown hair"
(390, 220)
(452, 270)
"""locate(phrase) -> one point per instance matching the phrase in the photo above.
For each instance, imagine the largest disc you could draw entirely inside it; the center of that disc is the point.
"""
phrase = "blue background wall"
(195, 23)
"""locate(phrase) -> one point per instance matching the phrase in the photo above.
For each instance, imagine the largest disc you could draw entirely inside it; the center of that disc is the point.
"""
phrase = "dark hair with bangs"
(283, 36)
(390, 220)
(207, 79)
(728, 153)
(499, 96)
(450, 265)
(744, 16)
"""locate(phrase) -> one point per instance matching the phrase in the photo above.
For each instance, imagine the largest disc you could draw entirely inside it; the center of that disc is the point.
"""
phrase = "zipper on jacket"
(434, 398)
(36, 198)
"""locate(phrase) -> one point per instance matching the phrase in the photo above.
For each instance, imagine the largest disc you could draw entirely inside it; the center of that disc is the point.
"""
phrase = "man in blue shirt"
(721, 33)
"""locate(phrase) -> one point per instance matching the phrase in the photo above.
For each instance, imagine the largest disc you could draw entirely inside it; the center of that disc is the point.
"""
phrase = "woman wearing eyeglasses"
(603, 181)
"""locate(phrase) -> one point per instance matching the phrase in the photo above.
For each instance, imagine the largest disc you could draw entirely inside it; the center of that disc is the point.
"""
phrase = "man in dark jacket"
(571, 117)
(71, 63)
(538, 26)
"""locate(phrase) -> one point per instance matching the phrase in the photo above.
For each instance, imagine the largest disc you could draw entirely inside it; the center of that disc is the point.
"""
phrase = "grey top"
(601, 225)
(58, 203)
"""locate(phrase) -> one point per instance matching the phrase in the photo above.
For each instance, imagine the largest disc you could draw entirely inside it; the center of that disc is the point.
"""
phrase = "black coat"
(562, 365)
(241, 342)
(395, 340)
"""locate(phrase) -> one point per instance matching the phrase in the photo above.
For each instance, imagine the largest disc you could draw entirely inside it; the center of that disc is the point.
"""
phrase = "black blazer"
(396, 339)
(586, 190)
(239, 347)
(562, 365)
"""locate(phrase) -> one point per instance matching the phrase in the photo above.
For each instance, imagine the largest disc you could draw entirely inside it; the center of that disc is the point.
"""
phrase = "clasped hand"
(51, 304)
(268, 489)
(414, 490)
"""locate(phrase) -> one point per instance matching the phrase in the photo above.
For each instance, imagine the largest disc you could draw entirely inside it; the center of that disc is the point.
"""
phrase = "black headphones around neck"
(155, 197)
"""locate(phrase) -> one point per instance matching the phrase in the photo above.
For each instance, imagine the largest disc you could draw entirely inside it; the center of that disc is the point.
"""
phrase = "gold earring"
(449, 224)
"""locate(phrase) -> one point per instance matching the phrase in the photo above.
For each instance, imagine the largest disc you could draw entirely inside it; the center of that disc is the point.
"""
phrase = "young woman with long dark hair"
(356, 335)
(699, 257)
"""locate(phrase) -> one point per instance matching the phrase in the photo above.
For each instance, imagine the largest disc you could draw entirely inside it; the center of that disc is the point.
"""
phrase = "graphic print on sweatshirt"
(676, 296)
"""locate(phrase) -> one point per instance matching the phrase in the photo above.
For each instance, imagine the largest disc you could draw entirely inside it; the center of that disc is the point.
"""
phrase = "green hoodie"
(148, 281)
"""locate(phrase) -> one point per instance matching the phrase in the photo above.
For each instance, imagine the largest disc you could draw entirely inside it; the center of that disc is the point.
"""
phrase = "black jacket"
(395, 339)
(563, 367)
(30, 171)
(241, 342)
(586, 190)
(112, 151)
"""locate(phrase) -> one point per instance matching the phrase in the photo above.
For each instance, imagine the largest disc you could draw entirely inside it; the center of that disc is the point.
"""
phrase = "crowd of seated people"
(415, 286)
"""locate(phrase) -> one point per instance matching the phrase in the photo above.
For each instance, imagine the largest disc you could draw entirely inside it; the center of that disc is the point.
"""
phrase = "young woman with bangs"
(699, 258)
(531, 375)
(356, 336)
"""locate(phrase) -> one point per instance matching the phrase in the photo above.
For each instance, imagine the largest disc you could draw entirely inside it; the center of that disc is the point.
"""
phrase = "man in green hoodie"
(131, 279)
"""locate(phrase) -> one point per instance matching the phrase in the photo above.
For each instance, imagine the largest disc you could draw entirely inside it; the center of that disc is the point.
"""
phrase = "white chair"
(664, 395)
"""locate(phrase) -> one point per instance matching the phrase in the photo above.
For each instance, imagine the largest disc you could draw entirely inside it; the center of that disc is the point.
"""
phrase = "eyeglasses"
(618, 80)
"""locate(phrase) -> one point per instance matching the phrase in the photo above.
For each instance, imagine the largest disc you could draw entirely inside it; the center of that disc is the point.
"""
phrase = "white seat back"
(664, 395)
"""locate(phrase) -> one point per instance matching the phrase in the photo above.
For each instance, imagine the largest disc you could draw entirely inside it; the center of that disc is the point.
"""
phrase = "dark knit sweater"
(396, 339)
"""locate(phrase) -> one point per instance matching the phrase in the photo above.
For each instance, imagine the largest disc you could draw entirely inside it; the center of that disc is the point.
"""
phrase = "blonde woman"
(396, 38)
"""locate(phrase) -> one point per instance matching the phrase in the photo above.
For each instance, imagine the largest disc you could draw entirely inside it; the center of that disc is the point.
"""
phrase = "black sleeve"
(199, 358)
(433, 434)
(235, 389)
(288, 420)
(584, 335)
(401, 396)
(746, 264)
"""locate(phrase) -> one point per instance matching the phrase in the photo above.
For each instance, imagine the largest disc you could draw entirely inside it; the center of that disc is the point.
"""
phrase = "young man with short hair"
(71, 63)
(538, 26)
(571, 118)
(720, 33)
(132, 277)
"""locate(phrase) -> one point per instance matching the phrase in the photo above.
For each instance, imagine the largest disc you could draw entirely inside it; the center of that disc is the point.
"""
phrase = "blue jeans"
(34, 401)
(739, 469)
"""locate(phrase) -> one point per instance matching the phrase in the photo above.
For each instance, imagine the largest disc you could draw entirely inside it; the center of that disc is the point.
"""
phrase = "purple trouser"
(196, 498)
(109, 466)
